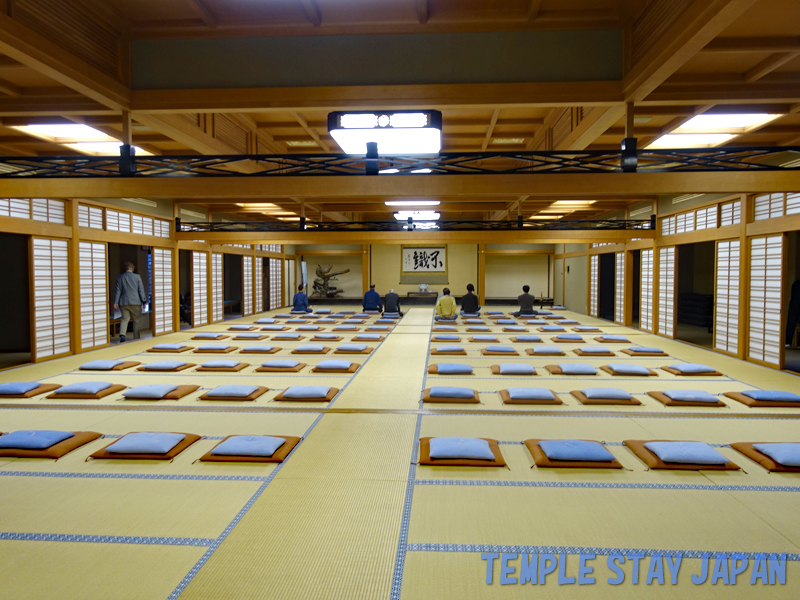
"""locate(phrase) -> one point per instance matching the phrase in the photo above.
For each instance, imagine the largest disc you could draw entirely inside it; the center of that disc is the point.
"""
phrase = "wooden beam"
(56, 106)
(768, 65)
(9, 63)
(127, 131)
(423, 11)
(9, 88)
(490, 129)
(629, 120)
(314, 135)
(533, 9)
(184, 132)
(591, 127)
(205, 14)
(762, 91)
(753, 44)
(501, 214)
(312, 12)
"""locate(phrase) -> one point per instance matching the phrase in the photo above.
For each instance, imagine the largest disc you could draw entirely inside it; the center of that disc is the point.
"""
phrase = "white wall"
(506, 274)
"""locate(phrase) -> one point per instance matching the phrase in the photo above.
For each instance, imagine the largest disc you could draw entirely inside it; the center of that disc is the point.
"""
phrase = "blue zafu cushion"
(474, 321)
(446, 338)
(575, 450)
(231, 391)
(772, 395)
(296, 321)
(645, 349)
(449, 348)
(558, 307)
(692, 368)
(364, 315)
(281, 364)
(536, 322)
(553, 328)
(33, 439)
(516, 369)
(161, 365)
(249, 445)
(446, 328)
(615, 338)
(547, 350)
(470, 315)
(506, 322)
(308, 328)
(169, 346)
(272, 328)
(606, 393)
(212, 347)
(391, 315)
(353, 347)
(258, 348)
(333, 365)
(451, 392)
(686, 452)
(368, 336)
(266, 321)
(544, 312)
(18, 387)
(514, 328)
(691, 396)
(628, 369)
(325, 336)
(84, 387)
(146, 443)
(286, 336)
(581, 327)
(310, 348)
(570, 336)
(528, 338)
(323, 311)
(307, 391)
(101, 365)
(326, 321)
(530, 393)
(494, 312)
(220, 364)
(508, 349)
(385, 321)
(478, 328)
(347, 312)
(152, 391)
(454, 369)
(284, 316)
(344, 328)
(207, 336)
(248, 335)
(595, 350)
(337, 316)
(240, 327)
(377, 328)
(787, 454)
(484, 338)
(459, 447)
(577, 369)
(353, 321)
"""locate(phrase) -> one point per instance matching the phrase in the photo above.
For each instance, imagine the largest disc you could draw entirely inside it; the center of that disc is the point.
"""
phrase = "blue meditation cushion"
(575, 450)
(474, 321)
(453, 369)
(272, 328)
(325, 336)
(101, 365)
(772, 395)
(353, 347)
(506, 322)
(577, 369)
(33, 439)
(553, 328)
(207, 336)
(337, 316)
(692, 368)
(146, 443)
(446, 328)
(595, 350)
(449, 348)
(514, 328)
(451, 392)
(787, 454)
(368, 336)
(359, 321)
(334, 365)
(516, 369)
(323, 311)
(494, 312)
(574, 337)
(307, 391)
(150, 391)
(84, 387)
(249, 445)
(391, 315)
(240, 327)
(311, 316)
(284, 316)
(470, 315)
(385, 321)
(583, 327)
(574, 322)
(363, 315)
(547, 350)
(220, 364)
(296, 321)
(308, 328)
(231, 391)
(628, 369)
(266, 321)
(459, 447)
(484, 338)
(528, 338)
(344, 328)
(248, 336)
(377, 328)
(606, 393)
(536, 322)
(646, 349)
(259, 348)
(18, 387)
(478, 328)
(508, 349)
(169, 346)
(615, 338)
(326, 321)
(163, 365)
(286, 336)
(347, 312)
(298, 312)
(686, 452)
(544, 312)
(691, 396)
(445, 338)
(530, 393)
(213, 347)
(281, 364)
(558, 307)
(310, 348)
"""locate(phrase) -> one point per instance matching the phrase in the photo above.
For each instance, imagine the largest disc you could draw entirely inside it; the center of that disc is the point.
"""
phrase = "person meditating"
(391, 303)
(445, 307)
(469, 302)
(300, 301)
(525, 302)
(372, 300)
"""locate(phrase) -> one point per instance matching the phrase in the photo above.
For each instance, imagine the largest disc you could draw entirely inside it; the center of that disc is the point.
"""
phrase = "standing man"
(392, 303)
(372, 300)
(129, 298)
(525, 302)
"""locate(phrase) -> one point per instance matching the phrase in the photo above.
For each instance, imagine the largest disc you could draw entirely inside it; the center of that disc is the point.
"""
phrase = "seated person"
(469, 301)
(300, 301)
(392, 303)
(372, 300)
(525, 302)
(445, 307)
(185, 307)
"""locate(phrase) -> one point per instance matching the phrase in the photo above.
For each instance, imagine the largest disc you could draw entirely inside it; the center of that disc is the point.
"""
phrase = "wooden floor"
(351, 515)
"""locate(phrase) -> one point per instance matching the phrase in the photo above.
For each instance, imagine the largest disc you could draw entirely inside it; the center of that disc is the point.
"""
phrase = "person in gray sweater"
(129, 298)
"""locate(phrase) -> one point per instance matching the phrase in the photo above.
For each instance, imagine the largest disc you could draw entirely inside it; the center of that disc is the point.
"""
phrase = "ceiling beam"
(533, 9)
(502, 214)
(7, 62)
(489, 130)
(762, 91)
(753, 44)
(314, 135)
(312, 12)
(58, 106)
(333, 215)
(11, 89)
(768, 65)
(205, 14)
(592, 126)
(700, 23)
(184, 132)
(423, 11)
(24, 45)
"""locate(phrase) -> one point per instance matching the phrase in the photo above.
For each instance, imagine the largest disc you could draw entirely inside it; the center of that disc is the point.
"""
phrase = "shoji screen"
(726, 297)
(666, 291)
(50, 275)
(199, 288)
(594, 283)
(94, 295)
(258, 284)
(766, 265)
(646, 292)
(247, 285)
(275, 278)
(619, 288)
(162, 291)
(217, 305)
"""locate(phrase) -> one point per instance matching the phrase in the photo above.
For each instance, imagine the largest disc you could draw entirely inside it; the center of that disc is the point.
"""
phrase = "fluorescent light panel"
(60, 134)
(412, 203)
(103, 148)
(733, 123)
(691, 140)
(417, 215)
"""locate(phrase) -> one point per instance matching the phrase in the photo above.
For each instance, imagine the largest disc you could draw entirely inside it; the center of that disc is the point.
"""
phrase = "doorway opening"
(15, 343)
(233, 285)
(606, 286)
(695, 293)
(140, 256)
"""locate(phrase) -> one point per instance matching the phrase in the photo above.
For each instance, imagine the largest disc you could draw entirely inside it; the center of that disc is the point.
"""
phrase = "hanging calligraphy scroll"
(422, 260)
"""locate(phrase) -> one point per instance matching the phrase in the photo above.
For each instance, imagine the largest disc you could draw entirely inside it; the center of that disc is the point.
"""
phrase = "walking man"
(129, 299)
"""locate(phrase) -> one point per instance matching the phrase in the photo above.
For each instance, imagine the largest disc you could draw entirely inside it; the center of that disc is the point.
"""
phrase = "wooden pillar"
(627, 318)
(127, 130)
(282, 302)
(481, 274)
(176, 284)
(256, 309)
(744, 276)
(74, 278)
(629, 123)
(365, 274)
(209, 284)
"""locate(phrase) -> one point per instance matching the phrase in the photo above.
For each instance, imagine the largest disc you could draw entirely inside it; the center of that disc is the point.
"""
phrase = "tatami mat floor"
(351, 515)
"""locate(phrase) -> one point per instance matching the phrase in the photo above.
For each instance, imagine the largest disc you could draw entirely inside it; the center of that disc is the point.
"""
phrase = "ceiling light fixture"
(732, 123)
(508, 141)
(691, 140)
(412, 203)
(401, 132)
(417, 215)
(423, 225)
(61, 134)
(103, 148)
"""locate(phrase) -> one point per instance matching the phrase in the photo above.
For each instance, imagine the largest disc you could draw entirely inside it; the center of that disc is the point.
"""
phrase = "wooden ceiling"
(681, 58)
